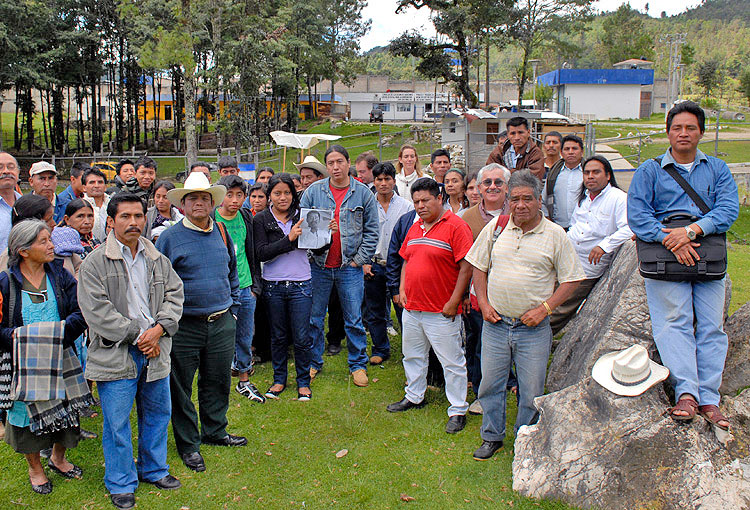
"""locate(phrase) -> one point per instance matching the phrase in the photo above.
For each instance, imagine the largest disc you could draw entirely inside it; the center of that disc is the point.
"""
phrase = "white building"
(405, 106)
(600, 93)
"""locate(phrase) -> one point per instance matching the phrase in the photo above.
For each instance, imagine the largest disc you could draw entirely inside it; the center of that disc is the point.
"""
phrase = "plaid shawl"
(48, 378)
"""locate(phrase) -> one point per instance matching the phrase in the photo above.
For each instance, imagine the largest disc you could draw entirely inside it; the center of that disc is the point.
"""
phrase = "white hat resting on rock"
(629, 372)
(196, 181)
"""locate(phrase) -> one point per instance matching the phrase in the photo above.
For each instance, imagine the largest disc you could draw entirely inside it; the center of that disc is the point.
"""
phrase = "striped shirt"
(432, 261)
(524, 266)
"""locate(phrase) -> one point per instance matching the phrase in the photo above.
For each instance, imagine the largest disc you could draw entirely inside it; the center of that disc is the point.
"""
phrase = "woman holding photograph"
(287, 286)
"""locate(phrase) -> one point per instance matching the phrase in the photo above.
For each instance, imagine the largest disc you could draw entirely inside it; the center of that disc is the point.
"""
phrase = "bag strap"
(223, 233)
(501, 223)
(695, 197)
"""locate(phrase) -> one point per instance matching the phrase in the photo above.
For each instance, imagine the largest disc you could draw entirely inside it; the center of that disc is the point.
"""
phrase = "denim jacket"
(654, 194)
(358, 221)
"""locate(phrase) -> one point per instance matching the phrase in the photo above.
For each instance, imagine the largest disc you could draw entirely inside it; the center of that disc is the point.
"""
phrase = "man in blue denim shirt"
(354, 239)
(686, 317)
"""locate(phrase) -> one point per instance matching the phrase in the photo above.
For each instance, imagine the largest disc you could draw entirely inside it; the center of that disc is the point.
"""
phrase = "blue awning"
(597, 77)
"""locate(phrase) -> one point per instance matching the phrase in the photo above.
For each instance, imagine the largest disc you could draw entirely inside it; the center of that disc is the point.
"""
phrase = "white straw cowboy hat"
(629, 372)
(313, 163)
(196, 181)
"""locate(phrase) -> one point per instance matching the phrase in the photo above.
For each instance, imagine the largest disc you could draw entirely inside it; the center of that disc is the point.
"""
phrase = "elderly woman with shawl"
(40, 322)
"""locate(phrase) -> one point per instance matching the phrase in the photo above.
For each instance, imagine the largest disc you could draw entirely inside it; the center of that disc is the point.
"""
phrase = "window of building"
(386, 107)
(664, 105)
(167, 112)
(452, 127)
(403, 107)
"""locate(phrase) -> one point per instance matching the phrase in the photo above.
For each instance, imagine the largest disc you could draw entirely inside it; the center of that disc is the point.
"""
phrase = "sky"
(387, 25)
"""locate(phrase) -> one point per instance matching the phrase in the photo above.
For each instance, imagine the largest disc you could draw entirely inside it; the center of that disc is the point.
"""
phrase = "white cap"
(41, 167)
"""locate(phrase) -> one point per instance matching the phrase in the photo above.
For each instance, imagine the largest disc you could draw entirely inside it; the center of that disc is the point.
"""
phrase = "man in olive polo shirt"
(514, 279)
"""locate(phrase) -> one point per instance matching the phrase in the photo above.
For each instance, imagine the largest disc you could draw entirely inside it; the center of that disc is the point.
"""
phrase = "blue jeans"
(376, 310)
(291, 303)
(507, 341)
(154, 409)
(243, 340)
(688, 328)
(349, 282)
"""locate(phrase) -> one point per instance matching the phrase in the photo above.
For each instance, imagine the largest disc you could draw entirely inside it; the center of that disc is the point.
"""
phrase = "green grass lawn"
(291, 461)
(736, 151)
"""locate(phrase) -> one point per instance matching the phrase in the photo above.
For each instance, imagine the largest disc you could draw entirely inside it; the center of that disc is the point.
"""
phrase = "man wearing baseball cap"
(43, 180)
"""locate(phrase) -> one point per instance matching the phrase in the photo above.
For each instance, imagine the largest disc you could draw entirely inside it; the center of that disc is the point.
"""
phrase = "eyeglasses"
(488, 182)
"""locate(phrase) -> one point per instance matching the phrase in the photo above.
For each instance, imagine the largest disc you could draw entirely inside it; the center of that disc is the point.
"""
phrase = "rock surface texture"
(592, 448)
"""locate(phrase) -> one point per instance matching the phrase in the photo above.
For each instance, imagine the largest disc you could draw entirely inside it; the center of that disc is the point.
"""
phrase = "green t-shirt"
(238, 232)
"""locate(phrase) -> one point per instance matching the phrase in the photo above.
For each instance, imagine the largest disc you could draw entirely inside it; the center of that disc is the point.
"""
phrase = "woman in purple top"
(286, 283)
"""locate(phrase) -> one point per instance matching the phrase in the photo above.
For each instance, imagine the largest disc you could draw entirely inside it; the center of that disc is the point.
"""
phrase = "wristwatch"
(691, 233)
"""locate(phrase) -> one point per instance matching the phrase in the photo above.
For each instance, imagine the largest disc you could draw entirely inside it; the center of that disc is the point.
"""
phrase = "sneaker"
(248, 390)
(392, 331)
(360, 378)
(476, 407)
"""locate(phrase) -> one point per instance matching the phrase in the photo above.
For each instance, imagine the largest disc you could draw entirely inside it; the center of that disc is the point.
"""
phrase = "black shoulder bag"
(658, 263)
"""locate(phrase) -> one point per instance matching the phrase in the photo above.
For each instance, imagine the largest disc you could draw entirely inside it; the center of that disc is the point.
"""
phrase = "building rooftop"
(597, 77)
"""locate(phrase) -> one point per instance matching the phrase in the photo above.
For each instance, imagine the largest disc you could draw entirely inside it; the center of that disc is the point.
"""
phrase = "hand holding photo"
(315, 232)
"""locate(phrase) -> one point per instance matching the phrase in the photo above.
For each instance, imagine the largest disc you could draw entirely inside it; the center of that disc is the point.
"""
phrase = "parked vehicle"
(376, 115)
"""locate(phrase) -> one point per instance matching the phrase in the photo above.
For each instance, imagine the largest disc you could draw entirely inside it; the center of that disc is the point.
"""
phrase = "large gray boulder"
(615, 316)
(737, 368)
(592, 448)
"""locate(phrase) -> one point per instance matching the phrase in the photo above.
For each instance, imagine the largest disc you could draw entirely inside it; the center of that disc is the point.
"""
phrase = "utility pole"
(674, 44)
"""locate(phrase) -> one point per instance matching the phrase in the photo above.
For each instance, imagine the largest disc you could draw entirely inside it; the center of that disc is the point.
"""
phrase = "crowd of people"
(136, 287)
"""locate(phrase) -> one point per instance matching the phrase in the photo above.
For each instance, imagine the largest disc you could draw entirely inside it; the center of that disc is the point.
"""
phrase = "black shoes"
(167, 483)
(487, 450)
(455, 423)
(44, 488)
(228, 440)
(333, 349)
(87, 434)
(404, 405)
(194, 461)
(123, 501)
(74, 472)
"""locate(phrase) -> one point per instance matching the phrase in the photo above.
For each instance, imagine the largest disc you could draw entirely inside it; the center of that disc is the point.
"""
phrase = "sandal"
(687, 405)
(713, 415)
(74, 472)
(44, 488)
(274, 394)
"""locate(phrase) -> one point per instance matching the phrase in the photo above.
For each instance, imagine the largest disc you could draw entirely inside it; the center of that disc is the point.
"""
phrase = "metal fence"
(384, 142)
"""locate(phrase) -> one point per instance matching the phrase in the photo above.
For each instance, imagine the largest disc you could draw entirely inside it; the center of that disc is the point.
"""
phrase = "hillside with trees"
(716, 49)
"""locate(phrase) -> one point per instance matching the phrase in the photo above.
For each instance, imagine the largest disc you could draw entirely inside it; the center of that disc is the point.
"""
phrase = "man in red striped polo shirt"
(434, 280)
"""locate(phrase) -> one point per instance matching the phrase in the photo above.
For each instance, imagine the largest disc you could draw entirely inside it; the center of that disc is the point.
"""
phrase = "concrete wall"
(500, 91)
(604, 101)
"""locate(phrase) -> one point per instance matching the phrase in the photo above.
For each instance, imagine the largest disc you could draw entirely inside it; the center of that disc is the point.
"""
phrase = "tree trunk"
(524, 76)
(145, 110)
(157, 123)
(16, 137)
(49, 124)
(94, 118)
(487, 75)
(463, 83)
(58, 133)
(44, 119)
(191, 141)
(29, 104)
